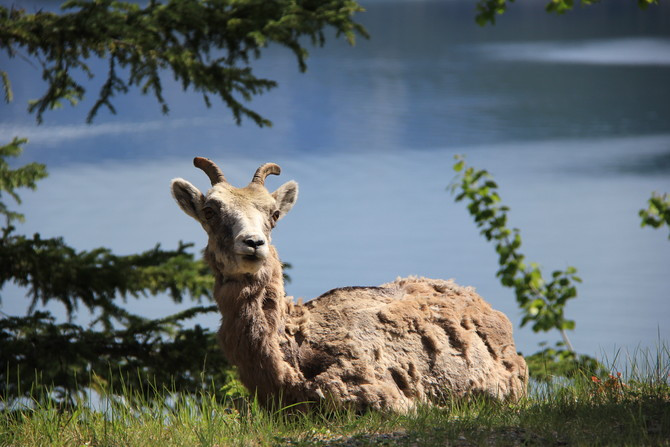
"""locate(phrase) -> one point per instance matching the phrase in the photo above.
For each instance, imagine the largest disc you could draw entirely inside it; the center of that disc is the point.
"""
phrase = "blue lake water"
(571, 115)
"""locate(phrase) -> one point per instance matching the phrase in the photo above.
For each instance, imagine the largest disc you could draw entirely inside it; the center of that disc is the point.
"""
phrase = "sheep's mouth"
(252, 256)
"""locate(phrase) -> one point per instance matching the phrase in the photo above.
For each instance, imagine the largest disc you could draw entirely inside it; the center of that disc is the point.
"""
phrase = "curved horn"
(211, 169)
(264, 171)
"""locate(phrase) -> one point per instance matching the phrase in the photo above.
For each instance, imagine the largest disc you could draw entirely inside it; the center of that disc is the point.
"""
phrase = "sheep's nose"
(254, 242)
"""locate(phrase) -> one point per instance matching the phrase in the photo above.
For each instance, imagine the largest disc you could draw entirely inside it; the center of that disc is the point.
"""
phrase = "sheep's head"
(237, 220)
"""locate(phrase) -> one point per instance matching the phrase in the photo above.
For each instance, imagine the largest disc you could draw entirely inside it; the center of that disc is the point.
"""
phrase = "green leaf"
(568, 325)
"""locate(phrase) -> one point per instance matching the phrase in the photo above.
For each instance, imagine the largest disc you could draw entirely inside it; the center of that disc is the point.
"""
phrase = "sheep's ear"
(286, 196)
(188, 197)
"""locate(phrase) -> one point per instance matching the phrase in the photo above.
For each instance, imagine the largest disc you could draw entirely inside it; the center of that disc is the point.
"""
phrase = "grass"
(631, 409)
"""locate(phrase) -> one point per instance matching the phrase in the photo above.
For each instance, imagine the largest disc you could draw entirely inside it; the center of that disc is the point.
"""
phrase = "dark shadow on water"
(648, 164)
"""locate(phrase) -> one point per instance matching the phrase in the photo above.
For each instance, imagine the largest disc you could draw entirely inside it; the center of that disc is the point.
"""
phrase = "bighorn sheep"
(388, 347)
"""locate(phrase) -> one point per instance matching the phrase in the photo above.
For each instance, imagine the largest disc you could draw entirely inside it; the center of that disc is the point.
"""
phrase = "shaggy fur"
(388, 347)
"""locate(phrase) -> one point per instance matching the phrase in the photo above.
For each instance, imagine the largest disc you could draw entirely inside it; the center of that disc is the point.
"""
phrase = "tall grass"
(628, 409)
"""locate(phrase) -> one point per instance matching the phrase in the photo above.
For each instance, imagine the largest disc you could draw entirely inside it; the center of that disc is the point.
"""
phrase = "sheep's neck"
(257, 299)
(254, 309)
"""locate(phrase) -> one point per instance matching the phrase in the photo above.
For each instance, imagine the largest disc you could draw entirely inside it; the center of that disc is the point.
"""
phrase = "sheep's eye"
(275, 216)
(209, 212)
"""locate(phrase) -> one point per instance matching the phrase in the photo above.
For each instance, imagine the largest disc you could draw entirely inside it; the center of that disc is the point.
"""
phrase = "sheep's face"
(237, 220)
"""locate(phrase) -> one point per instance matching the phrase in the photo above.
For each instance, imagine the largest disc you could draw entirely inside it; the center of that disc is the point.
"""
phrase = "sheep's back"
(412, 339)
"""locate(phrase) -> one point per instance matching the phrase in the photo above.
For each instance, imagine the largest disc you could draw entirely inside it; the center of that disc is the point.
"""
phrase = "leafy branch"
(487, 10)
(551, 362)
(657, 213)
(542, 302)
(36, 351)
(53, 271)
(206, 44)
(11, 179)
